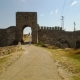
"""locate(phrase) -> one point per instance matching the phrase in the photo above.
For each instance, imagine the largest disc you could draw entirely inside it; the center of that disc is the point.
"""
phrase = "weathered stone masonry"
(24, 19)
(57, 36)
(14, 34)
(7, 36)
(49, 35)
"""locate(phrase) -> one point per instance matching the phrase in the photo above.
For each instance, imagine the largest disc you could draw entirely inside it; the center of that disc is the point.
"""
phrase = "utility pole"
(62, 22)
(74, 26)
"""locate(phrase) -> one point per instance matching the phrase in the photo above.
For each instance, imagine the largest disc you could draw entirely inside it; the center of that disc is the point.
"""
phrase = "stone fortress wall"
(49, 35)
(7, 36)
(57, 36)
(14, 34)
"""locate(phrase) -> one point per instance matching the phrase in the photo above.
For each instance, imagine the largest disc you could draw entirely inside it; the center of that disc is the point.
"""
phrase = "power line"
(62, 22)
(63, 6)
(74, 26)
(68, 7)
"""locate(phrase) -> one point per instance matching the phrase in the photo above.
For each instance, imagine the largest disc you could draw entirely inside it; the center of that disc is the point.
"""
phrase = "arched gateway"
(25, 19)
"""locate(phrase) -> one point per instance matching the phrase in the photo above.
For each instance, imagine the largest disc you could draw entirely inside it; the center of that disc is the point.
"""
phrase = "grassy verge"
(69, 58)
(7, 60)
(41, 44)
(3, 61)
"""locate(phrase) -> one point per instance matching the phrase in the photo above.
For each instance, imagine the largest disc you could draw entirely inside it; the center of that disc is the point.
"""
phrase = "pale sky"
(49, 12)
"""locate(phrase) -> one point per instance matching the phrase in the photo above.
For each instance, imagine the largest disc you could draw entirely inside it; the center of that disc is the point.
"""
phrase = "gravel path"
(35, 64)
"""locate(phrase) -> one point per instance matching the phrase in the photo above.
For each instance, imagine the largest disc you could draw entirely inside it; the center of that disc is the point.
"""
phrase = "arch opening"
(26, 35)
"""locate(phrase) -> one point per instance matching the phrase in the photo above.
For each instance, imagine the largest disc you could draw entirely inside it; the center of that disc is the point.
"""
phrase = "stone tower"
(25, 19)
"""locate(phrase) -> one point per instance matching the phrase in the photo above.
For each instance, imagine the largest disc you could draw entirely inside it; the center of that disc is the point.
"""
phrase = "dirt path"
(35, 64)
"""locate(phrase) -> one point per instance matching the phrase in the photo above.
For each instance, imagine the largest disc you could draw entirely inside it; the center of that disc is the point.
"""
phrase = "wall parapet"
(50, 28)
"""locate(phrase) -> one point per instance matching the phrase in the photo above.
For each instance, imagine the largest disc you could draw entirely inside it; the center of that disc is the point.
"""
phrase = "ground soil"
(35, 63)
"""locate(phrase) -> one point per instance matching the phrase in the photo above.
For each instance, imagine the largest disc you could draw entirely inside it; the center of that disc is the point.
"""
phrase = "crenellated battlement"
(50, 28)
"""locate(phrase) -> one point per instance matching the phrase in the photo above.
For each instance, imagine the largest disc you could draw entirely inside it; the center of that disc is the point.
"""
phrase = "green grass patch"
(74, 57)
(41, 44)
(70, 59)
(76, 77)
(2, 62)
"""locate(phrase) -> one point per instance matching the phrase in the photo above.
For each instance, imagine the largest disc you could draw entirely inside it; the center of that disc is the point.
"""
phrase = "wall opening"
(27, 35)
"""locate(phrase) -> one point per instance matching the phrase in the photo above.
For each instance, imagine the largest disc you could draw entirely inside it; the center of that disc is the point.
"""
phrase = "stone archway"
(26, 34)
(24, 19)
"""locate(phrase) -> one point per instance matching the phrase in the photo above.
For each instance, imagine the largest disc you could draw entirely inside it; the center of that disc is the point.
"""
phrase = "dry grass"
(69, 58)
(7, 60)
(3, 62)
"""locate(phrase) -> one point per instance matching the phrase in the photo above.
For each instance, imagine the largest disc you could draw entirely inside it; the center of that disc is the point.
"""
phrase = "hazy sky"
(49, 12)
